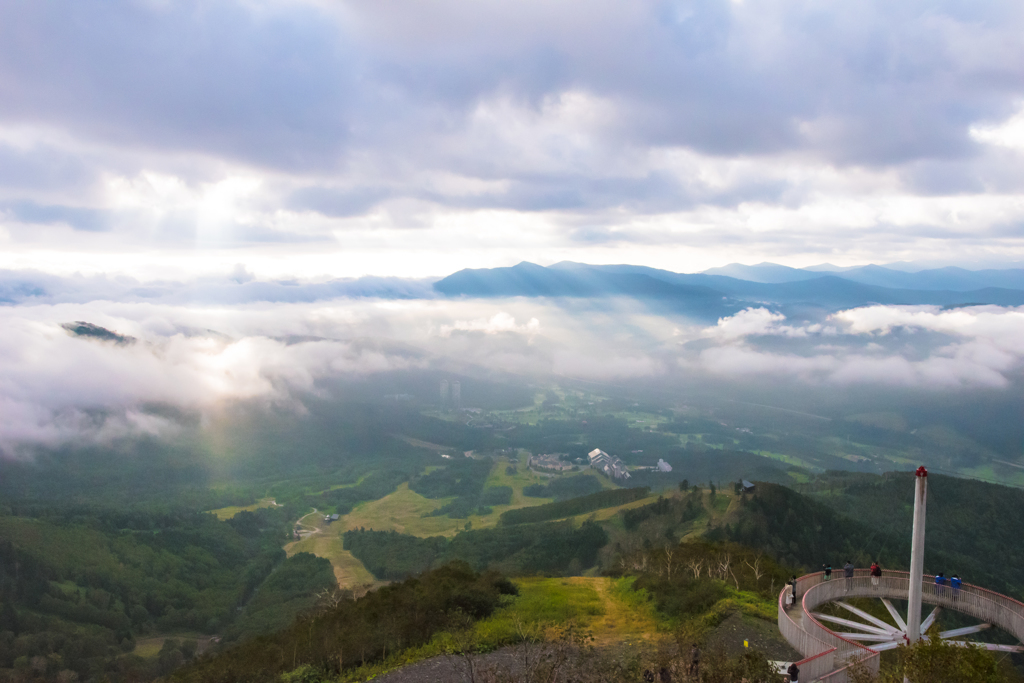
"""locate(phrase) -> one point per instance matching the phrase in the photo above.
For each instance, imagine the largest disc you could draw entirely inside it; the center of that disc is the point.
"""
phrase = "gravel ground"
(762, 635)
(444, 670)
(728, 637)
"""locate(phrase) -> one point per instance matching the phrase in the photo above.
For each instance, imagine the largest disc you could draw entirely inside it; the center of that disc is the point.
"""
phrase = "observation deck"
(829, 654)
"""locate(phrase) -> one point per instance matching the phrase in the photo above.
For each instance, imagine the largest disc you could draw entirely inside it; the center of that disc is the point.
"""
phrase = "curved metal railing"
(828, 655)
(819, 657)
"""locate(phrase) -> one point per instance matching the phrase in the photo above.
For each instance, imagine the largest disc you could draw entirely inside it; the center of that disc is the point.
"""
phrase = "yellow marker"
(745, 643)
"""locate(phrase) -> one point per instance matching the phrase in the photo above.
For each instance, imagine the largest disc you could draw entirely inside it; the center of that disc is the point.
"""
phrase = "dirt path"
(621, 622)
(305, 532)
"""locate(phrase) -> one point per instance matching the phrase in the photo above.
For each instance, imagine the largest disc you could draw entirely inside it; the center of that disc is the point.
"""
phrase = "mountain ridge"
(713, 294)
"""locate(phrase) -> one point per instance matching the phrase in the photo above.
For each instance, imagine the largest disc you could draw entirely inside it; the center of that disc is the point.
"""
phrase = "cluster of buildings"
(551, 462)
(610, 465)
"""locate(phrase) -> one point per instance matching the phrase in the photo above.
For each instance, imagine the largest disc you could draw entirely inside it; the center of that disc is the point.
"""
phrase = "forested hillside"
(85, 584)
(573, 506)
(554, 548)
(973, 527)
(118, 551)
(802, 532)
(349, 633)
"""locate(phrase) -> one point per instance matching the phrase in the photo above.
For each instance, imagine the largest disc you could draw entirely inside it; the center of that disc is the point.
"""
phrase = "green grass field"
(640, 419)
(150, 647)
(403, 511)
(998, 473)
(349, 571)
(788, 459)
(231, 511)
(607, 608)
(605, 514)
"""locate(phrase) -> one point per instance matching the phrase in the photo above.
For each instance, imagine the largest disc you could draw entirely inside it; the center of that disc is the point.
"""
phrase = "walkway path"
(621, 621)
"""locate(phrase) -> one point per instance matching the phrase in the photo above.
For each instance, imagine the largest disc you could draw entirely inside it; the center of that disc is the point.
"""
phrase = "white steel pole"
(917, 556)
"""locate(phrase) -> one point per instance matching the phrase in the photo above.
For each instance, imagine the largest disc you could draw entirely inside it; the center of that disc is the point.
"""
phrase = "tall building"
(456, 395)
(444, 394)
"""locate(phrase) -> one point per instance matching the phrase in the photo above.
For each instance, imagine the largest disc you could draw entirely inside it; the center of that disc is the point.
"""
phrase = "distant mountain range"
(951, 278)
(721, 290)
(708, 295)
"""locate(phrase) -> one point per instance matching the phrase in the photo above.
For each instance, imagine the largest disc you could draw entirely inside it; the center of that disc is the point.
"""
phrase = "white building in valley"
(612, 467)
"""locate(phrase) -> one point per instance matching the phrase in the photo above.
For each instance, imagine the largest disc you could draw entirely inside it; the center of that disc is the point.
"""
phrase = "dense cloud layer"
(409, 139)
(981, 346)
(56, 386)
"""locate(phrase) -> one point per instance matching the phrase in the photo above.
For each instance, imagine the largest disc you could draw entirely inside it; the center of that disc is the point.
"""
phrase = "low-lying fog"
(59, 386)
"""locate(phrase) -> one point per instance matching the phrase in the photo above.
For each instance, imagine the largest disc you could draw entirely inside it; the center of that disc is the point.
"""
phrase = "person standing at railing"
(876, 574)
(848, 573)
(792, 590)
(955, 584)
(827, 568)
(794, 672)
(940, 584)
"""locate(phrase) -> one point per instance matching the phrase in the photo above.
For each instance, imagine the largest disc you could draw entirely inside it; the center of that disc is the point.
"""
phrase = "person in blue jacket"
(940, 583)
(955, 584)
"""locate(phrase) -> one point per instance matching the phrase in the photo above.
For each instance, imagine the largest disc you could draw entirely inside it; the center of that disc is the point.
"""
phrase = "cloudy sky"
(307, 138)
(159, 157)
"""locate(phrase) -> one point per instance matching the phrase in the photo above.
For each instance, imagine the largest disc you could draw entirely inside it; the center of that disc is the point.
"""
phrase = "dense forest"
(572, 507)
(802, 532)
(288, 592)
(564, 488)
(79, 588)
(554, 548)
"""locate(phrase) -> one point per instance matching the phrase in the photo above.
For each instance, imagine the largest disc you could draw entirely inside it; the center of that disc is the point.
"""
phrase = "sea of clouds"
(56, 386)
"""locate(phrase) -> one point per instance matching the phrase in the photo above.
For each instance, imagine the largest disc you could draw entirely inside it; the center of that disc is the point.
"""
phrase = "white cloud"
(963, 370)
(1009, 133)
(996, 325)
(499, 322)
(761, 321)
(986, 345)
(55, 386)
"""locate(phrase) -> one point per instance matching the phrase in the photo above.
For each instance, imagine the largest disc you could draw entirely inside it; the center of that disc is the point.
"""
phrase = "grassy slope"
(404, 510)
(231, 511)
(627, 616)
(605, 514)
(599, 604)
(610, 609)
